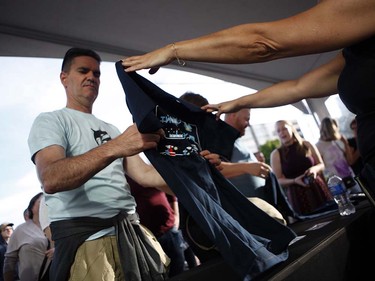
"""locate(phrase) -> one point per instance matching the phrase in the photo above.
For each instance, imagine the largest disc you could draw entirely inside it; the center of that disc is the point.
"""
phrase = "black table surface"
(313, 235)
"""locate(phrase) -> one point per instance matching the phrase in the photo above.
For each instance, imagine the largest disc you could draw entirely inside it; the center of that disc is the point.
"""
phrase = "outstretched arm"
(330, 25)
(318, 83)
(258, 169)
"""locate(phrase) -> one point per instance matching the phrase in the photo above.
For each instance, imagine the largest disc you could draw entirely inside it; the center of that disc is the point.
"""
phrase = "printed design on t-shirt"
(101, 136)
(181, 138)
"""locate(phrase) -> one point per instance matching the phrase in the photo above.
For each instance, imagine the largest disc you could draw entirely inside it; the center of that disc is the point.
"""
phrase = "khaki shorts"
(97, 260)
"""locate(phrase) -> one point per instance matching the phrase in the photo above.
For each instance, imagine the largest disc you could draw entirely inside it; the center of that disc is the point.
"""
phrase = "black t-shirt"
(356, 87)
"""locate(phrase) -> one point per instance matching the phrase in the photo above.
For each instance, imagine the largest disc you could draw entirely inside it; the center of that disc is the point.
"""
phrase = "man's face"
(82, 81)
(242, 120)
(7, 232)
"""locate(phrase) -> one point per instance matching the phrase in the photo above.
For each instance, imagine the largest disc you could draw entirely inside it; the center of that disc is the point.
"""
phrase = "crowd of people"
(93, 229)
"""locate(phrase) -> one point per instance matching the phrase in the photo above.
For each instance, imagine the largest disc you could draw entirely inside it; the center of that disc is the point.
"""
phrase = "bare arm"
(350, 155)
(176, 213)
(258, 169)
(319, 164)
(144, 174)
(60, 173)
(318, 83)
(330, 25)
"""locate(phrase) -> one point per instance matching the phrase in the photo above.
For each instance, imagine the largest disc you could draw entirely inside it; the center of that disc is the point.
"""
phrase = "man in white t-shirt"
(80, 162)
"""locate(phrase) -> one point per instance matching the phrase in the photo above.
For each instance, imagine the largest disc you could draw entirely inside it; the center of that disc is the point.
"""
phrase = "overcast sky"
(30, 86)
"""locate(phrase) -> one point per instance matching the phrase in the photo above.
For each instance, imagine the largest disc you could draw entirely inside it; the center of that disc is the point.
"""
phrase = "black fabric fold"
(139, 260)
(248, 239)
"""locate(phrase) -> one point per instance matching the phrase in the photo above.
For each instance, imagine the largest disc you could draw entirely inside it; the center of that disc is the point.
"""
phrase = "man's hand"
(213, 158)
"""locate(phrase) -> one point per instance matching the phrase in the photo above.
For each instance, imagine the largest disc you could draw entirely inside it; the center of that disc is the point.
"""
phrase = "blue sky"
(30, 86)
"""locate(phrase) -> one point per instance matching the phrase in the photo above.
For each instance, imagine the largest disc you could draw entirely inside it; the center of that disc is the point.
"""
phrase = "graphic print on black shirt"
(181, 138)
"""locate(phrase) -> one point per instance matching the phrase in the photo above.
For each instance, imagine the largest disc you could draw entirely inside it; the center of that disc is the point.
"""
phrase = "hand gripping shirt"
(248, 239)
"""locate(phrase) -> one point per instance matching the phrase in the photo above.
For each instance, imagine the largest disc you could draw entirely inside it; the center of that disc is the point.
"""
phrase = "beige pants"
(97, 260)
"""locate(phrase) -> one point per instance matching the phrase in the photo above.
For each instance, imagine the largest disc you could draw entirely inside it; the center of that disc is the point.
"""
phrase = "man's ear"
(63, 76)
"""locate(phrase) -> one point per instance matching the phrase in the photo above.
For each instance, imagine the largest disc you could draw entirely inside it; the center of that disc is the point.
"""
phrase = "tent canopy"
(119, 28)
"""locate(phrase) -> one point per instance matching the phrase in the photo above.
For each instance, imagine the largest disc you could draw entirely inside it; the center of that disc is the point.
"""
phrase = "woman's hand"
(152, 60)
(223, 107)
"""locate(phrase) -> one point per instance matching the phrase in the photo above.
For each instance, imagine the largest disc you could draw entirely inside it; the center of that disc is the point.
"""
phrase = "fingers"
(264, 171)
(135, 63)
(210, 107)
(137, 142)
(161, 133)
(153, 70)
(213, 158)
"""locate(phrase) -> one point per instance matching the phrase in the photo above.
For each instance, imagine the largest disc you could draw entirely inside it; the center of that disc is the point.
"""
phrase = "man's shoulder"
(49, 114)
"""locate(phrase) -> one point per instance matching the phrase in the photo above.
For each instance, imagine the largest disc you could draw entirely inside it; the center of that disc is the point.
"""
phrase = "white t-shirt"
(107, 192)
(43, 214)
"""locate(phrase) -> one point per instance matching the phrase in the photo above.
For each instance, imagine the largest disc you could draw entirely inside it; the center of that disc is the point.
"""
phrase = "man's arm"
(258, 169)
(58, 173)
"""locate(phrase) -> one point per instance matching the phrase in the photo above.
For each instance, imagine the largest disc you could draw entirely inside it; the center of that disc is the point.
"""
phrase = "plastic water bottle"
(340, 195)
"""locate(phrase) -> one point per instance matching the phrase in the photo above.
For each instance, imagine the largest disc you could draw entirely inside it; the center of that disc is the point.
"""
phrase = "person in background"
(347, 26)
(45, 226)
(158, 212)
(44, 220)
(27, 247)
(244, 170)
(336, 153)
(6, 229)
(356, 160)
(26, 215)
(299, 167)
(80, 161)
(194, 98)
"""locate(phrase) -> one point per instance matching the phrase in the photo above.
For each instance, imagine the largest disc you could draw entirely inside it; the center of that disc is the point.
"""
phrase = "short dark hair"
(77, 52)
(32, 203)
(194, 98)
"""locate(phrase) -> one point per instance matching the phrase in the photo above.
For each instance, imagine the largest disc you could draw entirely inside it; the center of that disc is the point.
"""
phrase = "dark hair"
(193, 98)
(77, 52)
(32, 203)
